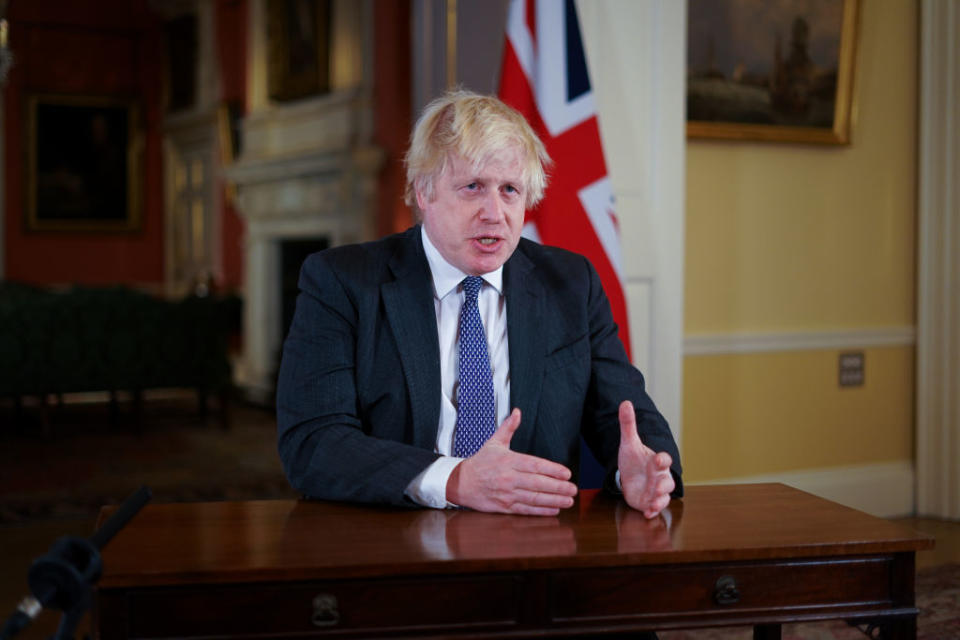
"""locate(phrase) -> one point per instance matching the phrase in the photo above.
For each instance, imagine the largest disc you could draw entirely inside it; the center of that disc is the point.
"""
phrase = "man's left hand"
(644, 474)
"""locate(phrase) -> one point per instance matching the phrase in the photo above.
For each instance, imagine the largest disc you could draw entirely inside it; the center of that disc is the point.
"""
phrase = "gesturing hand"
(497, 479)
(644, 474)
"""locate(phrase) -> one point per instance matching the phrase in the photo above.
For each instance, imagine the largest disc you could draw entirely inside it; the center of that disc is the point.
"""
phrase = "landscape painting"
(770, 69)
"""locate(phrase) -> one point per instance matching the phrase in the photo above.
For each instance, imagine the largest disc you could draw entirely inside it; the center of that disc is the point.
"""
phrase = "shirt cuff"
(429, 488)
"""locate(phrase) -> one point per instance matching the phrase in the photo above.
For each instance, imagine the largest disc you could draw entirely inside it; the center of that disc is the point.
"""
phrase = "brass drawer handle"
(725, 591)
(326, 613)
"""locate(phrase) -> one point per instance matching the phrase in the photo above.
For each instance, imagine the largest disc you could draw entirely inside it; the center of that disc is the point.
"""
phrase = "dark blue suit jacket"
(358, 396)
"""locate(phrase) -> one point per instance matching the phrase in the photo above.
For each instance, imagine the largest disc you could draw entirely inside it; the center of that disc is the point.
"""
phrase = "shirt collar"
(447, 277)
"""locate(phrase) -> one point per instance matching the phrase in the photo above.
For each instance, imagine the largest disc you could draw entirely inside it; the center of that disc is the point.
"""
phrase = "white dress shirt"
(429, 488)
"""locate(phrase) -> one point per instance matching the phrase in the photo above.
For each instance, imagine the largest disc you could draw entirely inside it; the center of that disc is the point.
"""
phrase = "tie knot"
(471, 286)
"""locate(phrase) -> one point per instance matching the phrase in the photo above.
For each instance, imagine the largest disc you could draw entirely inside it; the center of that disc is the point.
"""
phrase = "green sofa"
(112, 339)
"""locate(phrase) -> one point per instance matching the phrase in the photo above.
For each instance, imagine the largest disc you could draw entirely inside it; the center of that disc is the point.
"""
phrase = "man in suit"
(457, 364)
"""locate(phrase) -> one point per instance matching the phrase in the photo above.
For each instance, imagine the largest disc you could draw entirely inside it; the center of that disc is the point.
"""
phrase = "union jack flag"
(545, 77)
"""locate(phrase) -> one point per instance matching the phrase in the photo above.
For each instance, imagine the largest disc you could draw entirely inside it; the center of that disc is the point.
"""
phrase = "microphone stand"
(63, 579)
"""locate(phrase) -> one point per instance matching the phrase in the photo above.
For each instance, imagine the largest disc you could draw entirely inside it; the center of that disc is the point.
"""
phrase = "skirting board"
(885, 490)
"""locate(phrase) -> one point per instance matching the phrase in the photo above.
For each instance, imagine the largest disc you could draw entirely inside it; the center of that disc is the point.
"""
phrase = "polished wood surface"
(746, 554)
(287, 540)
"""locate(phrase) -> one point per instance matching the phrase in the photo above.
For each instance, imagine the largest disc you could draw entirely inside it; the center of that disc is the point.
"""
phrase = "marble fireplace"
(307, 175)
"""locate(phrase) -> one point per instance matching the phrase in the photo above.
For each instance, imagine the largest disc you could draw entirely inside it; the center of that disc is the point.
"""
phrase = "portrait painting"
(82, 169)
(779, 70)
(298, 33)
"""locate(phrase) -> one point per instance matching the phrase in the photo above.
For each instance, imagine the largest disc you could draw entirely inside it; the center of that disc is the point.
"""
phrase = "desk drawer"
(350, 607)
(661, 592)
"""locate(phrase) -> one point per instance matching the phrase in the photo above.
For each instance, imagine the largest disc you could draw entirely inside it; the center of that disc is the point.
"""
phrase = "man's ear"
(421, 198)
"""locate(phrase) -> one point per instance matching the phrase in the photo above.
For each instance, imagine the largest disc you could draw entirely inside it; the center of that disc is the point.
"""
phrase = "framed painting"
(83, 170)
(773, 71)
(298, 51)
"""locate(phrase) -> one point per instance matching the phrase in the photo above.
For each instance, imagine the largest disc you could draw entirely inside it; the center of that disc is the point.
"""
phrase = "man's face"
(476, 215)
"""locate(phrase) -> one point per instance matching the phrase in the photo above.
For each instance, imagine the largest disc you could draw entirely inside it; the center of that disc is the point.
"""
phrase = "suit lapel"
(408, 301)
(524, 295)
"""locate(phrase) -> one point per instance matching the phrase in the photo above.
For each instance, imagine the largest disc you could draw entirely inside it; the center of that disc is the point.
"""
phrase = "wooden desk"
(730, 555)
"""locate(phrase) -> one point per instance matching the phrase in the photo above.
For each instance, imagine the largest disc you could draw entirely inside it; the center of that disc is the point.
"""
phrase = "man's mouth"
(487, 241)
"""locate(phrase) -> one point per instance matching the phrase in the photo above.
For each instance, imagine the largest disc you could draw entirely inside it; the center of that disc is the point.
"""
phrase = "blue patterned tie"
(476, 413)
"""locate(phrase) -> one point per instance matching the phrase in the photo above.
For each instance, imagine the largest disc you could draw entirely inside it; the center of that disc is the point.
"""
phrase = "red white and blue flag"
(545, 77)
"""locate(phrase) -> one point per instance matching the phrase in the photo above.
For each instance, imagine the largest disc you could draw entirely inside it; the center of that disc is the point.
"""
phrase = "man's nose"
(492, 209)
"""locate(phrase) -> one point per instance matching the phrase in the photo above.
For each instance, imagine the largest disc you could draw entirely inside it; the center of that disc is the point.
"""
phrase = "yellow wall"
(762, 413)
(796, 238)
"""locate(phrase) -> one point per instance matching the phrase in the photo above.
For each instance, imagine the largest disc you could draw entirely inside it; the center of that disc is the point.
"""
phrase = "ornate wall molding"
(305, 173)
(308, 171)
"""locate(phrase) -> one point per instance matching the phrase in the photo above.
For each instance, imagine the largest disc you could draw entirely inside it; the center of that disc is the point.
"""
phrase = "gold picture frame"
(82, 163)
(298, 58)
(803, 90)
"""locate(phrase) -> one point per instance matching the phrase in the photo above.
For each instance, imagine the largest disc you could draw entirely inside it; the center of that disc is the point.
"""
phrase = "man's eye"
(473, 186)
(511, 189)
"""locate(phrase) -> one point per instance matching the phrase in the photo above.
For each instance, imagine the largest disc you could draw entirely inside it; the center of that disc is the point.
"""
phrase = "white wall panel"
(636, 52)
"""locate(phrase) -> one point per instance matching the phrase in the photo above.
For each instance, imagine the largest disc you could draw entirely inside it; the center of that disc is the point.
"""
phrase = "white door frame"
(938, 273)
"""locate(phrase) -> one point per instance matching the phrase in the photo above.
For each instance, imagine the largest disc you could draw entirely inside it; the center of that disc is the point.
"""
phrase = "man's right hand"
(499, 480)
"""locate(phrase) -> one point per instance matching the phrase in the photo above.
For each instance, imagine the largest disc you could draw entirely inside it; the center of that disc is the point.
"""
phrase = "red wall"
(115, 48)
(231, 21)
(107, 48)
(392, 117)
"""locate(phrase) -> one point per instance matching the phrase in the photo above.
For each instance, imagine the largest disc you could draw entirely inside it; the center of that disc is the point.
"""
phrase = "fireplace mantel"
(305, 172)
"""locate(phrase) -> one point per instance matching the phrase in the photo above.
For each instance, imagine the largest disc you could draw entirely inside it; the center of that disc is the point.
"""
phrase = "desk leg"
(898, 629)
(766, 632)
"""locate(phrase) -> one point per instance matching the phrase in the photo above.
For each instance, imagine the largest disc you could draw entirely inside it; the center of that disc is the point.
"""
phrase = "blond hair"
(474, 127)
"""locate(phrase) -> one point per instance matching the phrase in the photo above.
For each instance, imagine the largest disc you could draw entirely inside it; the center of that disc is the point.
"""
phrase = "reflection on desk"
(747, 554)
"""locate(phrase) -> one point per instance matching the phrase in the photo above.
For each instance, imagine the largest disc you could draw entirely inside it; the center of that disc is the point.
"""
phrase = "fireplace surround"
(307, 173)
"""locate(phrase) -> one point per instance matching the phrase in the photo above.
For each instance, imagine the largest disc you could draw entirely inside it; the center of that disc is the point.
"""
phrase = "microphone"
(28, 609)
(130, 507)
(62, 578)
